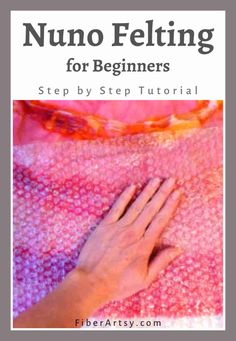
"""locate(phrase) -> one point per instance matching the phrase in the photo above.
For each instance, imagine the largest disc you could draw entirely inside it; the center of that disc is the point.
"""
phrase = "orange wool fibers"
(74, 123)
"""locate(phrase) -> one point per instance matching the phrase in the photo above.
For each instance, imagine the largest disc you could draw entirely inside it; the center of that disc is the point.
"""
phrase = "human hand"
(116, 261)
(118, 255)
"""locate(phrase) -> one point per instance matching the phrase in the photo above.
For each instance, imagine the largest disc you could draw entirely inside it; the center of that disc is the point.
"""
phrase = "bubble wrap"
(62, 190)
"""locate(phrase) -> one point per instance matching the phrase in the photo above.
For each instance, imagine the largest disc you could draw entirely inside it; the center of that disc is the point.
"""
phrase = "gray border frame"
(230, 7)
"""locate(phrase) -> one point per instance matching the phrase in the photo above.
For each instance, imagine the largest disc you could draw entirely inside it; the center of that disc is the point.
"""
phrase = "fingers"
(120, 205)
(162, 218)
(153, 207)
(144, 210)
(139, 204)
(161, 261)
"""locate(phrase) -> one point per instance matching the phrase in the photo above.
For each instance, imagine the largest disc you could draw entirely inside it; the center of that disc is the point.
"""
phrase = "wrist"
(89, 289)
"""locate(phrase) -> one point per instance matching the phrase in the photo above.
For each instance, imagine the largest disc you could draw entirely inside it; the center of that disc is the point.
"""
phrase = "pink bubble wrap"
(61, 191)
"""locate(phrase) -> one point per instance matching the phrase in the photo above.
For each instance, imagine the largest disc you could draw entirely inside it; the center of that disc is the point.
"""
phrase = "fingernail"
(132, 187)
(170, 182)
(178, 251)
(175, 252)
(155, 182)
(176, 194)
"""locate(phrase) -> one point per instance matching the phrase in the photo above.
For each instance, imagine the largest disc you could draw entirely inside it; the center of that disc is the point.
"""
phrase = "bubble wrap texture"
(63, 189)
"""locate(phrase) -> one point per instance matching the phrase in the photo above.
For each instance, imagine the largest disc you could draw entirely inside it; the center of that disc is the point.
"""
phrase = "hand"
(118, 256)
(116, 261)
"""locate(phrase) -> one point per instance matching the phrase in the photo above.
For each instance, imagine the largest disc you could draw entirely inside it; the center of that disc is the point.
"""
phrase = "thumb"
(161, 261)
